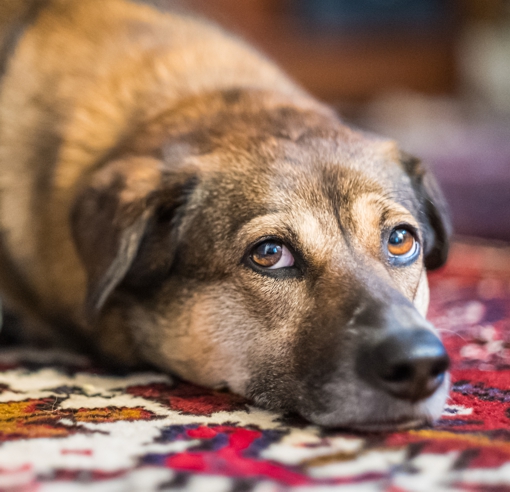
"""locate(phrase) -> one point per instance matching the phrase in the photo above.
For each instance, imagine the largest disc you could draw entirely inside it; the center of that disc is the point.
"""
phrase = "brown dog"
(169, 195)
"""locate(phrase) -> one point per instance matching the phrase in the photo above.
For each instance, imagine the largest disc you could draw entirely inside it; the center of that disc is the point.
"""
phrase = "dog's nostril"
(400, 372)
(439, 368)
(408, 364)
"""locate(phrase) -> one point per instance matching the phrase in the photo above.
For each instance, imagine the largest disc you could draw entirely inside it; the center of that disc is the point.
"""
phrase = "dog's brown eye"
(401, 243)
(272, 255)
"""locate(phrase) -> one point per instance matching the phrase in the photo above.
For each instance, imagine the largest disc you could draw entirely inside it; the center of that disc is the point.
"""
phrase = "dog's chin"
(373, 424)
(389, 426)
(382, 413)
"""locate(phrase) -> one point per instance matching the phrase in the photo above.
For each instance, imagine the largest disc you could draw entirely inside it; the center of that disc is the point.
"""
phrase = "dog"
(169, 196)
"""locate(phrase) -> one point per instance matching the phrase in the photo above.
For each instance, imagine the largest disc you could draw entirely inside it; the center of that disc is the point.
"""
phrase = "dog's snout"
(408, 364)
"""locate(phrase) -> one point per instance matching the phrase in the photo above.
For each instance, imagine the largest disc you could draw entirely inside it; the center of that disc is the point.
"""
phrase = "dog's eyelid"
(414, 230)
(272, 238)
(388, 225)
(284, 236)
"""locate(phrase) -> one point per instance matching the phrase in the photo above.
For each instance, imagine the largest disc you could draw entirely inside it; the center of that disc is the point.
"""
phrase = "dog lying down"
(169, 195)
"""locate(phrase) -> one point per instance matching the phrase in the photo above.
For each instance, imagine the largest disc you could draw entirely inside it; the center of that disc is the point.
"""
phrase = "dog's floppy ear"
(434, 213)
(113, 214)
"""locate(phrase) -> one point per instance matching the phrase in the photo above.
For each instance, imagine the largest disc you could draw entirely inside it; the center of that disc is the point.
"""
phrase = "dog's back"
(79, 78)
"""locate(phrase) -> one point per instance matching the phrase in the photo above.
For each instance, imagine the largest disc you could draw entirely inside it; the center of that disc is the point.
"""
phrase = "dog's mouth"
(389, 425)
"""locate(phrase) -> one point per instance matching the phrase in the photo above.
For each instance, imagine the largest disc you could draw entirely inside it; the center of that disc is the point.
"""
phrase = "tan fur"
(142, 155)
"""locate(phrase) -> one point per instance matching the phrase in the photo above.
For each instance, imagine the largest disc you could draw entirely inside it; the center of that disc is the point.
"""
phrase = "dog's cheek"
(422, 296)
(236, 342)
(215, 349)
(204, 338)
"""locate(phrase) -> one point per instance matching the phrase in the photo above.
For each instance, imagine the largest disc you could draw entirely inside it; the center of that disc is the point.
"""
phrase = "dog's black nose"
(408, 364)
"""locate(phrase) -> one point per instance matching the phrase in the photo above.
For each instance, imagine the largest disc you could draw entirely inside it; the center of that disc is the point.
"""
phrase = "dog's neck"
(15, 17)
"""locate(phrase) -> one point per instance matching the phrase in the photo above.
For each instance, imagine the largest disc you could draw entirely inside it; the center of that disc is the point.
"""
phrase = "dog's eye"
(272, 255)
(402, 244)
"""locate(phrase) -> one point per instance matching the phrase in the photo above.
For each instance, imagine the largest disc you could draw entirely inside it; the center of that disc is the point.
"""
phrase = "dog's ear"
(434, 213)
(122, 203)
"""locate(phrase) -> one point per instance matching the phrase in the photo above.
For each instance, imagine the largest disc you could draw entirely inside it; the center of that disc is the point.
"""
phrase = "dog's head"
(276, 252)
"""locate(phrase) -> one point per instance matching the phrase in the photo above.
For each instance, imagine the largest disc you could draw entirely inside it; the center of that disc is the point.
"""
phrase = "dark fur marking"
(18, 286)
(232, 96)
(433, 213)
(156, 253)
(114, 238)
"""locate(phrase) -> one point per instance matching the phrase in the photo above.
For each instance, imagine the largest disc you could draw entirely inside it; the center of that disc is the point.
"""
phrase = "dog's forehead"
(316, 173)
(315, 194)
(305, 170)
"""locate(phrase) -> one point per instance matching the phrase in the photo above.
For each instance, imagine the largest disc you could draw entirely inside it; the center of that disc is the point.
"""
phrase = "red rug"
(65, 426)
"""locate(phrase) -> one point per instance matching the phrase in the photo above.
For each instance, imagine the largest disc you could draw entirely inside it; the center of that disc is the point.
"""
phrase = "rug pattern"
(65, 426)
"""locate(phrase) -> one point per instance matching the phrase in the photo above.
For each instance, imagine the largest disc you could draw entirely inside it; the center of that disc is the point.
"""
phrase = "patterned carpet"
(65, 426)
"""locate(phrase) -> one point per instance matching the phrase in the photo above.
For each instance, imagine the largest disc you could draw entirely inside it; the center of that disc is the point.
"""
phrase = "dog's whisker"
(453, 332)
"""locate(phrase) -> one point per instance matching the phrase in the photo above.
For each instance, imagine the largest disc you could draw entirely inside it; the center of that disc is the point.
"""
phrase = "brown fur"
(142, 153)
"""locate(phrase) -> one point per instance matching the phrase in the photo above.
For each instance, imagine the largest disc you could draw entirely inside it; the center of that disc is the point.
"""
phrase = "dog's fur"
(142, 153)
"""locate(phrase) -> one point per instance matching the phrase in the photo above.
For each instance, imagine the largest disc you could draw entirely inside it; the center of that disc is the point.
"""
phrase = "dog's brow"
(263, 225)
(395, 211)
(297, 226)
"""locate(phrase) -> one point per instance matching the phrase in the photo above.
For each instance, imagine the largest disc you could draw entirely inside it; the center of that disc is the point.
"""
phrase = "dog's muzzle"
(409, 364)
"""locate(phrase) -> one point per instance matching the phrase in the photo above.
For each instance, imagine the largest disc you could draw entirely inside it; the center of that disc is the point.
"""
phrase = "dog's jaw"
(393, 414)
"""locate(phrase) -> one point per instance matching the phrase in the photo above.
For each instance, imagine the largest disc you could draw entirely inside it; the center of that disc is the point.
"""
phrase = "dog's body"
(144, 154)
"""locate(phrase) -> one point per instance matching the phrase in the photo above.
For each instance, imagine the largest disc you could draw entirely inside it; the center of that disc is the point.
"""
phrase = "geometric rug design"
(68, 426)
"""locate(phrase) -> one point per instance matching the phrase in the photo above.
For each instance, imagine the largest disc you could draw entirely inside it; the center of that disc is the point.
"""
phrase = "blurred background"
(433, 74)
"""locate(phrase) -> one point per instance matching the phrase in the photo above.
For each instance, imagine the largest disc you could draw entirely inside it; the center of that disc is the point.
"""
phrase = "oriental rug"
(68, 426)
